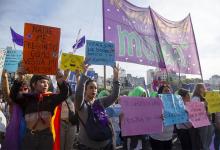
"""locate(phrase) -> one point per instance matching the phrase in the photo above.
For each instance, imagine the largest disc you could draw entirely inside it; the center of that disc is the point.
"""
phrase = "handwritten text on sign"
(141, 115)
(41, 47)
(13, 57)
(213, 99)
(174, 109)
(100, 53)
(197, 114)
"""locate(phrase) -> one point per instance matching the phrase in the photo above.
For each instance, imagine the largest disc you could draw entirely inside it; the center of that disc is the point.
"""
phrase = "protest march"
(53, 98)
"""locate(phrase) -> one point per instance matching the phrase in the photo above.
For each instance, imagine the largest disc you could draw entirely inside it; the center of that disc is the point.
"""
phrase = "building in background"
(214, 82)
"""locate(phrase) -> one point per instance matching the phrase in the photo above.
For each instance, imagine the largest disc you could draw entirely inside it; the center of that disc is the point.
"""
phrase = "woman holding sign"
(163, 141)
(137, 141)
(94, 135)
(183, 129)
(204, 134)
(38, 107)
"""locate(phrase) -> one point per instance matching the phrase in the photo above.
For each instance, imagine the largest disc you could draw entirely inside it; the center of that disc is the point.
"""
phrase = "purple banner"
(177, 44)
(141, 36)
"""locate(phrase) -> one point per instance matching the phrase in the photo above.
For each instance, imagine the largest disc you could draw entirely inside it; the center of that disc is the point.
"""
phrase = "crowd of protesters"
(29, 105)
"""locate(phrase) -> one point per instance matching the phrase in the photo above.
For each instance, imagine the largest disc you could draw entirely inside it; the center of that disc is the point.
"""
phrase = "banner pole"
(160, 49)
(104, 41)
(196, 48)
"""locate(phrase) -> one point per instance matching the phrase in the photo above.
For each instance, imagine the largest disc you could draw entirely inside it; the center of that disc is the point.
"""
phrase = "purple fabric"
(100, 113)
(79, 43)
(11, 141)
(142, 36)
(17, 38)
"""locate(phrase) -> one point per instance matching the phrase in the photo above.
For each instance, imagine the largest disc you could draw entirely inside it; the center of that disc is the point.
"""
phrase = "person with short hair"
(38, 108)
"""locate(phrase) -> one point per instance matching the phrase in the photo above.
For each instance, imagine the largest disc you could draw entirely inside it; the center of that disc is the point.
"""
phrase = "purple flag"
(79, 43)
(17, 38)
(143, 37)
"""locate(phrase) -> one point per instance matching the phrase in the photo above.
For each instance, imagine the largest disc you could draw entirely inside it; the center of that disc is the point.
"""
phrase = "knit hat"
(35, 78)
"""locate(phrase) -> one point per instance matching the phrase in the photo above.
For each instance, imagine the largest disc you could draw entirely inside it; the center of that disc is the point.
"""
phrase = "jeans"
(67, 135)
(38, 140)
(184, 137)
(160, 145)
(206, 134)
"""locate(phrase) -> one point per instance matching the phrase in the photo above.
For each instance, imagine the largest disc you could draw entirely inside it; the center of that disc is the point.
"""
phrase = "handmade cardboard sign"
(12, 59)
(197, 114)
(174, 109)
(213, 99)
(41, 48)
(100, 53)
(141, 115)
(71, 62)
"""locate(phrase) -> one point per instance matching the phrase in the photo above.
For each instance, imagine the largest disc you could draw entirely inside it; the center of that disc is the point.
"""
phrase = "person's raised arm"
(109, 100)
(79, 96)
(5, 87)
(64, 88)
(16, 94)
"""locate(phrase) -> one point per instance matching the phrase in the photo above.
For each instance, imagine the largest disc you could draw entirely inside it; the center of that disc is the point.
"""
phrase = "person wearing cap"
(38, 107)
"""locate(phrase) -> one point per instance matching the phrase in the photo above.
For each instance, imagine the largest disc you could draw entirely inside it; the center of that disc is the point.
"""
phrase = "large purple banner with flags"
(142, 36)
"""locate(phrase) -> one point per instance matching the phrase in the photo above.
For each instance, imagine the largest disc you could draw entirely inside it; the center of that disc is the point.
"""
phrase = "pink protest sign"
(197, 114)
(141, 115)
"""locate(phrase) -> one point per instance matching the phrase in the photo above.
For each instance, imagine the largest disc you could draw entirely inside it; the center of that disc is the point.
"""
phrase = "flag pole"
(104, 41)
(77, 38)
(160, 49)
(14, 45)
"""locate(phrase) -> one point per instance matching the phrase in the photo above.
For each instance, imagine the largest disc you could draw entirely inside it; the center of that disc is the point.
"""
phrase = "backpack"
(95, 130)
(73, 116)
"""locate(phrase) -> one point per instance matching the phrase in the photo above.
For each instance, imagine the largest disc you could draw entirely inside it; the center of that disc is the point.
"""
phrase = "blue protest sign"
(13, 57)
(174, 109)
(113, 111)
(100, 53)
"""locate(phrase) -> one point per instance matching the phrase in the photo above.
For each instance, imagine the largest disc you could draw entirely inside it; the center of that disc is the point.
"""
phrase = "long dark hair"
(160, 90)
(183, 92)
(197, 92)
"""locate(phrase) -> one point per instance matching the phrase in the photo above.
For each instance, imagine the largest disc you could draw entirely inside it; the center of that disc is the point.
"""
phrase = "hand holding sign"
(60, 77)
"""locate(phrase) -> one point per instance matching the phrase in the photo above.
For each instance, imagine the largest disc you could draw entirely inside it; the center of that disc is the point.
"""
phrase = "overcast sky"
(72, 15)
